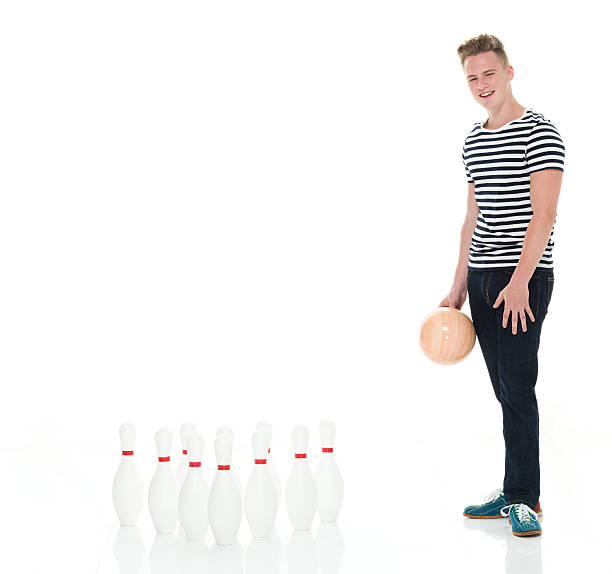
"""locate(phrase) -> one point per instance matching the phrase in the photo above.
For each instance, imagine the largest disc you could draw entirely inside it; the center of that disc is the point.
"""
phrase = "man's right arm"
(458, 293)
(469, 224)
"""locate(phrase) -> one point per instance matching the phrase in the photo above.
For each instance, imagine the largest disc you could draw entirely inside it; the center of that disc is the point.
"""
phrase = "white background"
(227, 211)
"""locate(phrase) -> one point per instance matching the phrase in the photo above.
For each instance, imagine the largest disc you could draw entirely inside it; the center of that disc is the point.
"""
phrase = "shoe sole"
(496, 516)
(529, 533)
(473, 516)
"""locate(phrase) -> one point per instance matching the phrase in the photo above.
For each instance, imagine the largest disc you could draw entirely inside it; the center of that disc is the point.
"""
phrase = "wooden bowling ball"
(447, 336)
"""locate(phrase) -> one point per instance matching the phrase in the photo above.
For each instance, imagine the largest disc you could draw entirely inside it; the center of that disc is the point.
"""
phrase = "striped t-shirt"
(499, 163)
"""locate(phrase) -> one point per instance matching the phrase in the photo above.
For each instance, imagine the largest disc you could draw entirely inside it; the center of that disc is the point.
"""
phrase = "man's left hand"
(515, 296)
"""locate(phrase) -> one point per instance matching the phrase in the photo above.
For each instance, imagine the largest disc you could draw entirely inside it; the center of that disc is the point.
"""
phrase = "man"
(514, 165)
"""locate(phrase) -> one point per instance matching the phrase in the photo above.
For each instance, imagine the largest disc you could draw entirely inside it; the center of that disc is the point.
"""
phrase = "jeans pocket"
(550, 281)
(535, 293)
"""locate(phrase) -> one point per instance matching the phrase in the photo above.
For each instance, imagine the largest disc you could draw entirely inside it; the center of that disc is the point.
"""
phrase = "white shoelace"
(493, 495)
(524, 512)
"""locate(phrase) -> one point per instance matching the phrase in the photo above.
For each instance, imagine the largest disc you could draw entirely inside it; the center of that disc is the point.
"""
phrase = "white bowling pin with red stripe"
(163, 490)
(260, 501)
(301, 489)
(225, 500)
(181, 472)
(128, 488)
(330, 485)
(229, 432)
(272, 470)
(193, 497)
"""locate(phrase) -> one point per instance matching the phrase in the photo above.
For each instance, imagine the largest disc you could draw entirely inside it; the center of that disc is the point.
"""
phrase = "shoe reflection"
(523, 553)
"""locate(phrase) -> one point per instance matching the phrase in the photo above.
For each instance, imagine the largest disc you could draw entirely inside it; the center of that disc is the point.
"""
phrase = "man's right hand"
(456, 297)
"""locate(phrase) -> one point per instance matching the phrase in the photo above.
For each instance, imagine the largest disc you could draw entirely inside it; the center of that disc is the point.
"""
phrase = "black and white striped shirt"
(499, 163)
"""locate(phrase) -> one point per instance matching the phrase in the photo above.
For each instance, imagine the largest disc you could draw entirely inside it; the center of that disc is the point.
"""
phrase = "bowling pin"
(273, 471)
(163, 490)
(181, 472)
(128, 488)
(301, 489)
(330, 486)
(193, 496)
(224, 501)
(260, 501)
(229, 432)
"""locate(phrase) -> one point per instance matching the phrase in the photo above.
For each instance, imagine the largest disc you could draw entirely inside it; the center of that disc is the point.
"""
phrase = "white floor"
(396, 518)
(220, 212)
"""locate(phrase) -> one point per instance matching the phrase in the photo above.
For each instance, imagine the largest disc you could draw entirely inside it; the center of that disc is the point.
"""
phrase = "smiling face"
(485, 74)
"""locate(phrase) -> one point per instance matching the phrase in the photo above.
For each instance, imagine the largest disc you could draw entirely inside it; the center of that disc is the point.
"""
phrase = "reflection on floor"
(171, 554)
(523, 554)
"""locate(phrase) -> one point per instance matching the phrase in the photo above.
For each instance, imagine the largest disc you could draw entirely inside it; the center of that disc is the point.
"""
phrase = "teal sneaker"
(490, 508)
(523, 520)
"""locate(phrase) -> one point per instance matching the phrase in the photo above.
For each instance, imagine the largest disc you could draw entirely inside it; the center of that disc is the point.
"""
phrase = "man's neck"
(506, 113)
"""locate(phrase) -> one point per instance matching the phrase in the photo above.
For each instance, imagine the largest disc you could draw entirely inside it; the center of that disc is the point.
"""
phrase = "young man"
(514, 165)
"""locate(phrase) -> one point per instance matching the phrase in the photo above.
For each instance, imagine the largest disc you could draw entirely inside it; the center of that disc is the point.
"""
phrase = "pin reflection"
(329, 547)
(227, 559)
(263, 556)
(300, 553)
(129, 549)
(165, 554)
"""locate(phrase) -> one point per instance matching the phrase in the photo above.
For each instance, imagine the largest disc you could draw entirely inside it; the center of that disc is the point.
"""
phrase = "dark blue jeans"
(512, 362)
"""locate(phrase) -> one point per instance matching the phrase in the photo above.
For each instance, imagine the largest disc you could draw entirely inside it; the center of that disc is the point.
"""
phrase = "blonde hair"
(480, 44)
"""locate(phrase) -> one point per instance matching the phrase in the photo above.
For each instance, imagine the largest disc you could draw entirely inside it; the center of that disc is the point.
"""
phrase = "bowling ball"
(447, 336)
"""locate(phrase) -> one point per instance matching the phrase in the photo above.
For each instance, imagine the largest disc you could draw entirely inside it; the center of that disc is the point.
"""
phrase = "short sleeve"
(544, 149)
(470, 179)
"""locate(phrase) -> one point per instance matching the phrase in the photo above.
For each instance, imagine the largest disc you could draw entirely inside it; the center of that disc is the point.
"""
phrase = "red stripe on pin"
(127, 452)
(300, 455)
(192, 464)
(260, 461)
(164, 459)
(184, 452)
(223, 467)
(327, 449)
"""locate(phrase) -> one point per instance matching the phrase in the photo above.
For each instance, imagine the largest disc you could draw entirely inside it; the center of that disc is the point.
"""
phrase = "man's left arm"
(544, 191)
(545, 187)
